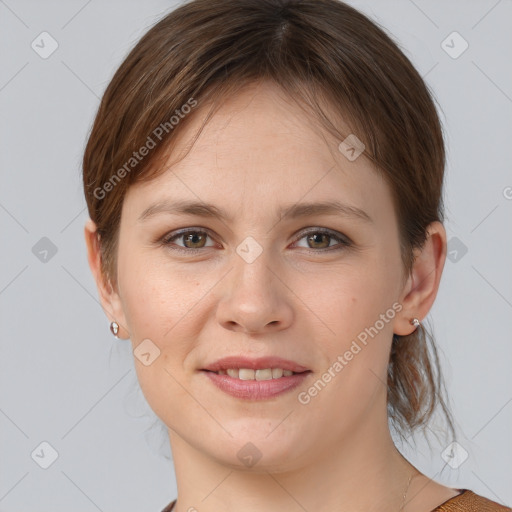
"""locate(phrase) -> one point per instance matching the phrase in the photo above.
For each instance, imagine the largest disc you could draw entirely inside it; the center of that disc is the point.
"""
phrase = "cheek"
(358, 294)
(158, 305)
(358, 310)
(155, 295)
(144, 300)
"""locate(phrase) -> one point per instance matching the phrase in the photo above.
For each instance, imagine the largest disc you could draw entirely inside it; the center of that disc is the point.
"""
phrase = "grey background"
(65, 380)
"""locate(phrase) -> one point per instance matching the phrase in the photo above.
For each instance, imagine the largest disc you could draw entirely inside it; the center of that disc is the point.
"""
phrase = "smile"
(249, 374)
(251, 384)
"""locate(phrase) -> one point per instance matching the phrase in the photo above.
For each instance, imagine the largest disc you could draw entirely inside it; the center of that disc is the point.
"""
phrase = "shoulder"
(169, 507)
(468, 501)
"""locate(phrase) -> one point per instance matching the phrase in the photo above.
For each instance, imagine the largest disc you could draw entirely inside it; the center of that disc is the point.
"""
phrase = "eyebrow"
(207, 210)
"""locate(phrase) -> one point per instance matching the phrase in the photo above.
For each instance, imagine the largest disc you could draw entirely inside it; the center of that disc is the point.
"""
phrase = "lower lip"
(256, 389)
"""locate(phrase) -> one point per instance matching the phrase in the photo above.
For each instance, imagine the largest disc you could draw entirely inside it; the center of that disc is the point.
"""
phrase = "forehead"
(260, 121)
(259, 147)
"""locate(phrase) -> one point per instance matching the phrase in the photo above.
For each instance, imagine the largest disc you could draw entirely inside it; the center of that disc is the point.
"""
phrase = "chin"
(258, 451)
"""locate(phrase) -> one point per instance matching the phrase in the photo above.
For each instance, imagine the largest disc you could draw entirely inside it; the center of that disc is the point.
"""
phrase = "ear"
(422, 285)
(109, 298)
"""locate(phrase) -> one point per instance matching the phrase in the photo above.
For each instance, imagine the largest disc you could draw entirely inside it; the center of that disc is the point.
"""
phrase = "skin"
(297, 300)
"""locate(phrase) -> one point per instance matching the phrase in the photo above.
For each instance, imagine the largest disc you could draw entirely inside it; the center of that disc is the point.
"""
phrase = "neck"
(362, 472)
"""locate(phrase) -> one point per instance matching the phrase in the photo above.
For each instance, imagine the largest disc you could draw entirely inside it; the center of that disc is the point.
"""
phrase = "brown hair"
(319, 52)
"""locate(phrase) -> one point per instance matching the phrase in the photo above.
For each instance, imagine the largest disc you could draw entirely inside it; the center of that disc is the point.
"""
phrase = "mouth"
(259, 374)
(255, 379)
(265, 366)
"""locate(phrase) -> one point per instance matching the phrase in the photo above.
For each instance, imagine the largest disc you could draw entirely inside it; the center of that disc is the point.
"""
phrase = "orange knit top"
(466, 501)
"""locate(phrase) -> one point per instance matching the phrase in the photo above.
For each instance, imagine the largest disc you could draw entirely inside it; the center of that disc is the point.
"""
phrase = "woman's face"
(256, 283)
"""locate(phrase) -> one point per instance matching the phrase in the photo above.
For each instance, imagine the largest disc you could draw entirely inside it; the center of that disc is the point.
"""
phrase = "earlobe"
(109, 298)
(423, 283)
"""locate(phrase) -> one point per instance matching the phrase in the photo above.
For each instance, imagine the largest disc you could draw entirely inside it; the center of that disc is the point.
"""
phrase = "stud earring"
(415, 322)
(114, 328)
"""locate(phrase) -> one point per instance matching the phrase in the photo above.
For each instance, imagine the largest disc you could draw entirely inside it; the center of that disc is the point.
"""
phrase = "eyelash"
(167, 240)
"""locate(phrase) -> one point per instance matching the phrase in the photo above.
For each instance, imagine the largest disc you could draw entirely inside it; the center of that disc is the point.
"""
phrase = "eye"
(193, 239)
(321, 238)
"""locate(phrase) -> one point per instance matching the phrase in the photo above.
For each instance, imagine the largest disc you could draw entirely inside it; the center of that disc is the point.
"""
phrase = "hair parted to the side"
(336, 64)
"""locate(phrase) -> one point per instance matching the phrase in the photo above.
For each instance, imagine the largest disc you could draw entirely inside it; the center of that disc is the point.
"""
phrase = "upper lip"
(255, 364)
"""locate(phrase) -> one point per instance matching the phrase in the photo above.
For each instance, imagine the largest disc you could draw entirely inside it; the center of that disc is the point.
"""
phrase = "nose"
(255, 298)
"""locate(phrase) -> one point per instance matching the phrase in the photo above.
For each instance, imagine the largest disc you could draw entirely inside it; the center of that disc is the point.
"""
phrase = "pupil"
(319, 235)
(192, 238)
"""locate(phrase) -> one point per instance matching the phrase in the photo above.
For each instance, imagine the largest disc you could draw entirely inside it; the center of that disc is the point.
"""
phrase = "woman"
(264, 182)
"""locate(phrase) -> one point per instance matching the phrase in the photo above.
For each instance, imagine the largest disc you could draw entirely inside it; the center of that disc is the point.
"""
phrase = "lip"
(259, 363)
(256, 389)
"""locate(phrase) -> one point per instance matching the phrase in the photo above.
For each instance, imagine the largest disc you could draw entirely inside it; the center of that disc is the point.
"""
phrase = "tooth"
(245, 374)
(265, 374)
(261, 374)
(277, 373)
